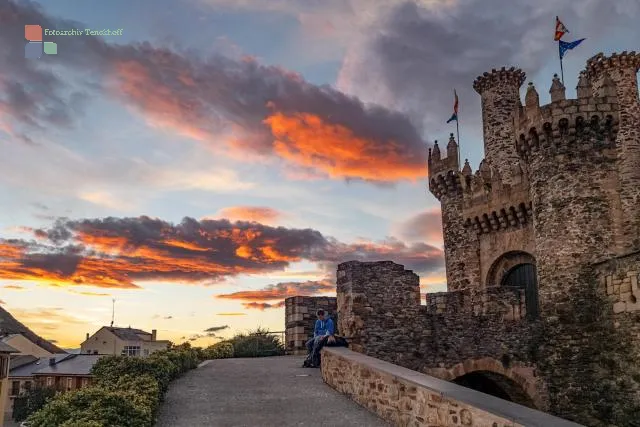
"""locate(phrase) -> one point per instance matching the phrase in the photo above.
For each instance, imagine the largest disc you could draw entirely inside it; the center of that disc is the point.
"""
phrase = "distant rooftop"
(6, 348)
(127, 334)
(65, 364)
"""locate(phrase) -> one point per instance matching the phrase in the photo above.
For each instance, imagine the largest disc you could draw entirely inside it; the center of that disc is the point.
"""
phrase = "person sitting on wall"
(323, 328)
(323, 334)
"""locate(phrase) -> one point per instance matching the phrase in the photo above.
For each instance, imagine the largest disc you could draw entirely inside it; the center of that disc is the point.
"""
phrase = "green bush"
(221, 350)
(258, 343)
(94, 406)
(31, 401)
(126, 391)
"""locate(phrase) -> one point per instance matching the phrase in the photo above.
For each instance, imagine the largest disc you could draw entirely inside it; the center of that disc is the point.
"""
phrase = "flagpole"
(459, 146)
(561, 69)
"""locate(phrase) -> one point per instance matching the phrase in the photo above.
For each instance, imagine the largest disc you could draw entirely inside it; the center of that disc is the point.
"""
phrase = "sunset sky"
(222, 155)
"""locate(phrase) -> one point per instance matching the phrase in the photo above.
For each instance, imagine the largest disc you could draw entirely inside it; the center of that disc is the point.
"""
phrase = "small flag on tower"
(561, 30)
(454, 116)
(565, 46)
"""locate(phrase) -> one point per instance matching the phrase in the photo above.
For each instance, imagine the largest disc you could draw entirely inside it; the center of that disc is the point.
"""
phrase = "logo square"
(33, 50)
(50, 48)
(33, 33)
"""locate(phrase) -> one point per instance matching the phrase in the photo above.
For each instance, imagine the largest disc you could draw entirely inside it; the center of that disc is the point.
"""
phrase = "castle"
(542, 252)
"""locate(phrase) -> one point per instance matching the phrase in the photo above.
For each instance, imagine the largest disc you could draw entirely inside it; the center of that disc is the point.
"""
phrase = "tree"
(31, 401)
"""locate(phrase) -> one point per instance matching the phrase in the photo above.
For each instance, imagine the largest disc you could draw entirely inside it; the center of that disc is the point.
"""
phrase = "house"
(123, 341)
(63, 372)
(5, 353)
(25, 346)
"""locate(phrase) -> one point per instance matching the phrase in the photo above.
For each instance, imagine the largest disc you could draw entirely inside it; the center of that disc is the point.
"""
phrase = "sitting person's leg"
(310, 344)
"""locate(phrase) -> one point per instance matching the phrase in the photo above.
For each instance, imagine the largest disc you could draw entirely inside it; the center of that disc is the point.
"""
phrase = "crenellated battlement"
(444, 172)
(600, 64)
(571, 125)
(502, 77)
(491, 204)
(592, 119)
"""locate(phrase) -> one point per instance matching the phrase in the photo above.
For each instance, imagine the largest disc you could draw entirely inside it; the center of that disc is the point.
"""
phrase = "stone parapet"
(408, 398)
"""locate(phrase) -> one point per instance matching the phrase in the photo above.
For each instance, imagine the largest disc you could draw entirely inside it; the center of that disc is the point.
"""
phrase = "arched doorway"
(524, 276)
(496, 385)
(517, 270)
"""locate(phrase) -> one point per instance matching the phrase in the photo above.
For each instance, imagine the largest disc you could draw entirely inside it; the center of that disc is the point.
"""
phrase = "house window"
(85, 382)
(15, 388)
(49, 381)
(131, 350)
(27, 385)
(95, 351)
(69, 383)
(3, 366)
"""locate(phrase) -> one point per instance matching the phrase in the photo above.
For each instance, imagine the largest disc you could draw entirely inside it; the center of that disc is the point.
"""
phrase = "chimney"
(87, 337)
(52, 361)
(153, 334)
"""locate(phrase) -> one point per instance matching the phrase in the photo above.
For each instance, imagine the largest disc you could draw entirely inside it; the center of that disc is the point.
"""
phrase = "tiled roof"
(127, 334)
(21, 360)
(75, 364)
(6, 348)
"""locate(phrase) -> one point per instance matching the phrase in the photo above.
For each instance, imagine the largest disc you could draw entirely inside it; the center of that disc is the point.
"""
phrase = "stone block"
(619, 307)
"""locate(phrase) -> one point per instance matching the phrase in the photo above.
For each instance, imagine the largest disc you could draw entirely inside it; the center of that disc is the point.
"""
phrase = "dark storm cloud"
(216, 328)
(414, 57)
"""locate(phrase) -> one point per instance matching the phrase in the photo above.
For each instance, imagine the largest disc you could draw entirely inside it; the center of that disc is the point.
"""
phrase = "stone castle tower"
(555, 203)
(542, 250)
(559, 186)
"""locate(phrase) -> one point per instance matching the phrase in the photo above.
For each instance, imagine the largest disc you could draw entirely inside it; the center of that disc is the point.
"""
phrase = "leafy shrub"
(258, 343)
(94, 406)
(221, 350)
(31, 401)
(126, 391)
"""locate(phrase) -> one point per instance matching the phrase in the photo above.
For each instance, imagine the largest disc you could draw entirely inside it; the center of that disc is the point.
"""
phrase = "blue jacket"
(323, 327)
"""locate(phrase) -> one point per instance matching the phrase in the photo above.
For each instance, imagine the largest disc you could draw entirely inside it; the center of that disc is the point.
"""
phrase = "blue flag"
(454, 116)
(565, 46)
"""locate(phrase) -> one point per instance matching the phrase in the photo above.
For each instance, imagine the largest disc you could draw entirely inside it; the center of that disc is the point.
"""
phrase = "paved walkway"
(265, 392)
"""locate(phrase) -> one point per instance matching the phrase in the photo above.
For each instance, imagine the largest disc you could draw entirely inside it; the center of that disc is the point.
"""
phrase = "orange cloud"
(262, 214)
(232, 314)
(262, 305)
(310, 141)
(121, 252)
(279, 292)
(15, 287)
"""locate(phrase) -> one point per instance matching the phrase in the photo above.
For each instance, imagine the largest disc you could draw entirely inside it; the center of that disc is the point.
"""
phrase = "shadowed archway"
(496, 385)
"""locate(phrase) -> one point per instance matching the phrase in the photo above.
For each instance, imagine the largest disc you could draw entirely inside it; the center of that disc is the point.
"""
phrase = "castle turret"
(557, 91)
(500, 95)
(447, 183)
(616, 76)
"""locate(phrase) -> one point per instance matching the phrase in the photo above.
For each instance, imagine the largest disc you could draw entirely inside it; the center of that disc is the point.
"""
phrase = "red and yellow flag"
(561, 30)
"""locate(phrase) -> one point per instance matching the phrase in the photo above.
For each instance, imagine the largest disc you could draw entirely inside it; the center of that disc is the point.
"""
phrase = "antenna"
(113, 310)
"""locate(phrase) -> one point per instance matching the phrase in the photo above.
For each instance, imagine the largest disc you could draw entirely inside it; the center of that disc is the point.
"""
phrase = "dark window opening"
(524, 276)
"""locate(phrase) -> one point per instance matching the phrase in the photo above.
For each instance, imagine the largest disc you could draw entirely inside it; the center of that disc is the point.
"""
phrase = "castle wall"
(378, 303)
(622, 71)
(300, 320)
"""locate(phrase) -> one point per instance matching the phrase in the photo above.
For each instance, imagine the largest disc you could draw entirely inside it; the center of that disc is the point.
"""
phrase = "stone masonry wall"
(300, 314)
(405, 398)
(379, 307)
(622, 70)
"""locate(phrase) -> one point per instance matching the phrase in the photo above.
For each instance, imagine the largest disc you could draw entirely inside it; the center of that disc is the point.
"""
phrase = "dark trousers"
(310, 344)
